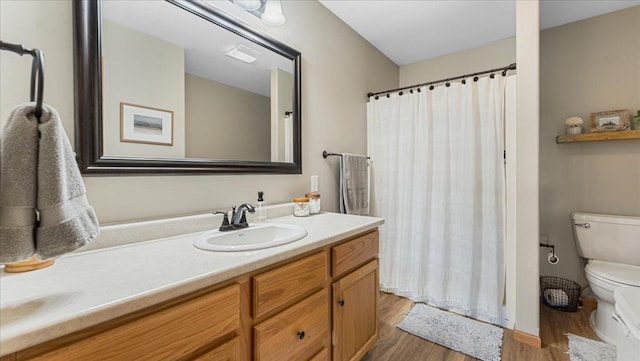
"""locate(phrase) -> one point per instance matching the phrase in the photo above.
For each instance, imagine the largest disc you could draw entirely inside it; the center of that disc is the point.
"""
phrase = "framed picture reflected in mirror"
(141, 124)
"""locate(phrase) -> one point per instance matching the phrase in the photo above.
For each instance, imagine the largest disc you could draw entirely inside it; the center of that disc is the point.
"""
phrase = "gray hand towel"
(18, 186)
(66, 220)
(354, 184)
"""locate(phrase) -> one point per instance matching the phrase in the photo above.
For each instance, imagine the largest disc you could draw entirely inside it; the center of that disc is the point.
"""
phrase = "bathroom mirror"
(180, 87)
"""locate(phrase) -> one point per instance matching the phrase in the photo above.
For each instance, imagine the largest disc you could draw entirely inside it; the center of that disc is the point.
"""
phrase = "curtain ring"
(411, 91)
(504, 72)
(475, 78)
(400, 93)
(492, 76)
(447, 84)
(419, 90)
(388, 96)
(464, 81)
(431, 87)
(377, 97)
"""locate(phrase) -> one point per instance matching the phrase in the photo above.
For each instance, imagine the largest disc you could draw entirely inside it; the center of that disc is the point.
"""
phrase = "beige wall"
(220, 125)
(336, 75)
(15, 71)
(489, 56)
(587, 66)
(141, 70)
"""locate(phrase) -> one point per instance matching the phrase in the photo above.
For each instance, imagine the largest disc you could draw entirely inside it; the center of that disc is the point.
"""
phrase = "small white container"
(574, 130)
(314, 202)
(301, 207)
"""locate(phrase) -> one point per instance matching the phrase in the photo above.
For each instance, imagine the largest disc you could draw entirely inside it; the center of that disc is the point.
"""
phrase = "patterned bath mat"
(480, 340)
(585, 349)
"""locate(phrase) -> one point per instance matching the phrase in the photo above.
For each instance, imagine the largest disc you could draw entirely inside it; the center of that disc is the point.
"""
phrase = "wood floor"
(397, 345)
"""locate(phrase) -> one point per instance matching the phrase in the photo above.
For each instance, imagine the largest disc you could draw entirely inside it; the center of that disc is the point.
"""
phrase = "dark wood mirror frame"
(88, 102)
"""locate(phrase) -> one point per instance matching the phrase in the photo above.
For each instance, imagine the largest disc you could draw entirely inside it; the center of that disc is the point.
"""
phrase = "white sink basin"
(256, 236)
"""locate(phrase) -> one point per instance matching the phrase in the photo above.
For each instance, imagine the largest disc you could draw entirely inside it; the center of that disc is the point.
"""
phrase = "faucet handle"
(225, 226)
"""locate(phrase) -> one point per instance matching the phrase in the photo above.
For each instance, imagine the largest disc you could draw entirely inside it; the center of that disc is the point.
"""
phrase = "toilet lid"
(620, 273)
(628, 305)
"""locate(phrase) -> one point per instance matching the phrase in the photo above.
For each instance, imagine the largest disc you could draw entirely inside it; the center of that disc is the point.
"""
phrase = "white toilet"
(611, 244)
(627, 315)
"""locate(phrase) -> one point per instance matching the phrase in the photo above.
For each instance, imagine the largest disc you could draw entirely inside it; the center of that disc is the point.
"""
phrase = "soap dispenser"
(261, 208)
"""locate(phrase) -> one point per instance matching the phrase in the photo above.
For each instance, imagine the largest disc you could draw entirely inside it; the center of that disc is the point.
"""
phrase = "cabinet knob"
(341, 302)
(300, 335)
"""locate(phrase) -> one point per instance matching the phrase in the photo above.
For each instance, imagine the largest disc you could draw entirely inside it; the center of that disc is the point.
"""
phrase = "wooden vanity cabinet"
(317, 307)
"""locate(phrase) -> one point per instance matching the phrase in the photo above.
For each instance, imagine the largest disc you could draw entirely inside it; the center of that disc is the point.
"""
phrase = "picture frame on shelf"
(610, 121)
(142, 124)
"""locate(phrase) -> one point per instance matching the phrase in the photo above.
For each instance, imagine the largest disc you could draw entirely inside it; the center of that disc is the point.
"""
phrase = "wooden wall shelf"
(598, 136)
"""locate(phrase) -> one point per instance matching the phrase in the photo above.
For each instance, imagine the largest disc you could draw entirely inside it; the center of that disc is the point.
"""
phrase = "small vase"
(574, 130)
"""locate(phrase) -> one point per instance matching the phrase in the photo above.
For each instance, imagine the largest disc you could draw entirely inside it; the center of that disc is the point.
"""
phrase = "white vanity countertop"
(85, 289)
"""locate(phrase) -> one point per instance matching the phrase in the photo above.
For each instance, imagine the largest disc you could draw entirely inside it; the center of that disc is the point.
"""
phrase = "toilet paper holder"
(553, 259)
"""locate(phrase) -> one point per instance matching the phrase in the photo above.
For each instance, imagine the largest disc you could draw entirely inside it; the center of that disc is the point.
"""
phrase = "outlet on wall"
(314, 183)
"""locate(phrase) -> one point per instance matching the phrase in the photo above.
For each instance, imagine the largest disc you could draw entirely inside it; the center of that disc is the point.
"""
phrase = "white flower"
(574, 121)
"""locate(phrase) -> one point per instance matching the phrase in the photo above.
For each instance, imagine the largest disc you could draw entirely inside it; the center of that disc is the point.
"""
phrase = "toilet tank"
(607, 238)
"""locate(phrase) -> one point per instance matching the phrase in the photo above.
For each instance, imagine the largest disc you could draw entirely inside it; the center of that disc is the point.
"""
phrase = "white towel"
(39, 175)
(354, 184)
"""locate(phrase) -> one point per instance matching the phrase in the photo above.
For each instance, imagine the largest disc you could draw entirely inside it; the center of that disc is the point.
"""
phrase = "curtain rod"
(475, 75)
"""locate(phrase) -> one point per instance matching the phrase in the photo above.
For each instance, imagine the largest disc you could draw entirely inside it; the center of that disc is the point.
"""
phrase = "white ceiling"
(204, 45)
(408, 31)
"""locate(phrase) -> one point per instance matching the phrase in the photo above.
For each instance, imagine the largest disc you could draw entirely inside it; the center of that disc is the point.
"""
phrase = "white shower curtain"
(438, 180)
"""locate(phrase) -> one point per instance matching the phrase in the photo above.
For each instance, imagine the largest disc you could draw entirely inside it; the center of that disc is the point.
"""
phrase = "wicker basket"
(559, 293)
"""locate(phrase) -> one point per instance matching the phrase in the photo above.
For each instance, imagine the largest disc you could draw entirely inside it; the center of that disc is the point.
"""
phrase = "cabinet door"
(355, 313)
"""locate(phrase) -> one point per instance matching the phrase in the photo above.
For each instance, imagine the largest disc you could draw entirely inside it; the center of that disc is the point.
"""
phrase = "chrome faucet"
(239, 216)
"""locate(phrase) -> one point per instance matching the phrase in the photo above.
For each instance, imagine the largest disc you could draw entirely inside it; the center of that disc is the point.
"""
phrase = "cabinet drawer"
(284, 284)
(297, 333)
(351, 254)
(228, 351)
(167, 334)
(321, 356)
